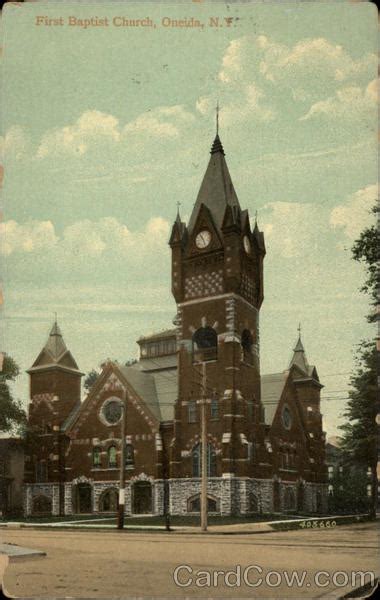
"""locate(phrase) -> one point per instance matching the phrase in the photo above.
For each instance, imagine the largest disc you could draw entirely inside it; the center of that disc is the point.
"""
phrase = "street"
(101, 564)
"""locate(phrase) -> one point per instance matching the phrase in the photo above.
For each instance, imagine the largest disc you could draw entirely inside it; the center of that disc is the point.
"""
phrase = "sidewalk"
(231, 529)
(15, 552)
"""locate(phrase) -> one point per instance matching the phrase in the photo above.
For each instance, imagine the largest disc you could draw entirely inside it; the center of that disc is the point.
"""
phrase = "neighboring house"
(11, 476)
(349, 486)
(265, 438)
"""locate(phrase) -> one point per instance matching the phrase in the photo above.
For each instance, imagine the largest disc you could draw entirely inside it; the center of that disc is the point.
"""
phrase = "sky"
(106, 128)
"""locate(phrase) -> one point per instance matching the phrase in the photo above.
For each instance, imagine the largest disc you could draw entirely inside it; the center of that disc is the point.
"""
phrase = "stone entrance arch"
(142, 497)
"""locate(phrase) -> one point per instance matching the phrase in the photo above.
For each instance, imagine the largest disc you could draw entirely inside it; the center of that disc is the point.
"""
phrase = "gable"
(115, 381)
(204, 220)
(67, 360)
(44, 358)
(288, 402)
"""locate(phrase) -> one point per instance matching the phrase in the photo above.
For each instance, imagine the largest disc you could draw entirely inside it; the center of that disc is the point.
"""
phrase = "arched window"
(253, 503)
(192, 415)
(289, 499)
(214, 409)
(96, 461)
(197, 460)
(42, 505)
(41, 471)
(112, 461)
(205, 344)
(246, 344)
(129, 456)
(194, 504)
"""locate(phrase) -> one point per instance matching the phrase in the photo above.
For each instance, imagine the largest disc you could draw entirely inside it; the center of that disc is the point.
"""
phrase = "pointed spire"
(217, 146)
(256, 227)
(178, 217)
(55, 344)
(55, 352)
(178, 229)
(299, 356)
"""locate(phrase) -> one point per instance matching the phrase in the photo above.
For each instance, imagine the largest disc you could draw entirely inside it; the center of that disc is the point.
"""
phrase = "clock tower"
(217, 282)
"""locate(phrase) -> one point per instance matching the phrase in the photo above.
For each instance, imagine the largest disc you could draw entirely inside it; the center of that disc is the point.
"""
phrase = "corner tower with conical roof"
(217, 282)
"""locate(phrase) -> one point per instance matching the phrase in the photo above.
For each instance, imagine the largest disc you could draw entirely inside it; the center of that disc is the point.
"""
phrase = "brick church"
(265, 438)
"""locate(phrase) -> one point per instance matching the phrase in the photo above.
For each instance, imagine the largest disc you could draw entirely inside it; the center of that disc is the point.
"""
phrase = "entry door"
(142, 497)
(276, 497)
(84, 503)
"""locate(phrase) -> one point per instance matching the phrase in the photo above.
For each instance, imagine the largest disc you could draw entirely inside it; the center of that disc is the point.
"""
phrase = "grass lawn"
(191, 520)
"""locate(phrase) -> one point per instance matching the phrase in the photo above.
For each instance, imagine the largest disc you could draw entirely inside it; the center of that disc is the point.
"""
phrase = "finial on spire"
(178, 215)
(55, 318)
(299, 330)
(217, 117)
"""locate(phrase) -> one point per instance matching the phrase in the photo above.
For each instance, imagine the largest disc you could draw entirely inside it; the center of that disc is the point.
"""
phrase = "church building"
(266, 445)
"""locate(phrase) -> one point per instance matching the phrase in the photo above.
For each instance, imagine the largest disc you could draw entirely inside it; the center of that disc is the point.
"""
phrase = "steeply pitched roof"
(145, 386)
(162, 389)
(217, 190)
(299, 357)
(55, 353)
(272, 386)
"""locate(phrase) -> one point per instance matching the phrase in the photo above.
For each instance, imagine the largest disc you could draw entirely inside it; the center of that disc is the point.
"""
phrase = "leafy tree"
(360, 432)
(349, 493)
(93, 375)
(90, 379)
(11, 411)
(366, 249)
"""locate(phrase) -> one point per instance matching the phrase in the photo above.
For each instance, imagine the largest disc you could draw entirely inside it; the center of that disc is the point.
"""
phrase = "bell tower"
(55, 382)
(217, 282)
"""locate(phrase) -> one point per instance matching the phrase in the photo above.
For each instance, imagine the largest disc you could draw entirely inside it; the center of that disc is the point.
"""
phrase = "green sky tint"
(107, 128)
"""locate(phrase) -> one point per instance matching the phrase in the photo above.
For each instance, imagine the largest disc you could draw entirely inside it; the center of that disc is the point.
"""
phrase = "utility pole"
(120, 515)
(204, 448)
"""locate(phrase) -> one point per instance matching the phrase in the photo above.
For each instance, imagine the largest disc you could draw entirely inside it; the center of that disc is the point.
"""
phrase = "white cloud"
(263, 71)
(353, 216)
(350, 103)
(94, 127)
(14, 144)
(311, 57)
(84, 238)
(74, 139)
(291, 229)
(163, 121)
(27, 237)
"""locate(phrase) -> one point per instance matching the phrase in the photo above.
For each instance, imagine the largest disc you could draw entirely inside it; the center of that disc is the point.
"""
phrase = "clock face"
(247, 244)
(203, 239)
(286, 417)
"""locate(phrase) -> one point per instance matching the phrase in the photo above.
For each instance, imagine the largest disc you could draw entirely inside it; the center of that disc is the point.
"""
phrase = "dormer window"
(158, 348)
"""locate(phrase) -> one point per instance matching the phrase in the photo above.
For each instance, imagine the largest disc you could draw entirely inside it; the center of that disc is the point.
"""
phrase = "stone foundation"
(233, 496)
